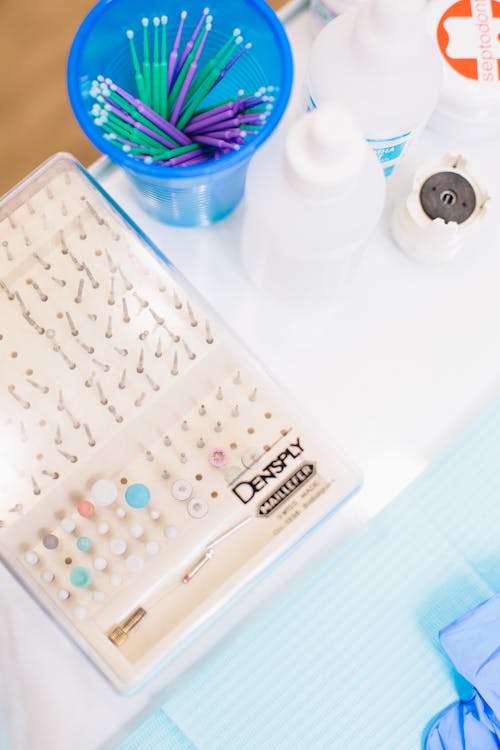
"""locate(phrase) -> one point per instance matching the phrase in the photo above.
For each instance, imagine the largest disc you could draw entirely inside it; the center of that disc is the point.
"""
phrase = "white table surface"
(393, 366)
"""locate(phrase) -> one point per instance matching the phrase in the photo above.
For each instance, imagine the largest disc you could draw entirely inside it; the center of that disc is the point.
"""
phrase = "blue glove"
(460, 728)
(473, 645)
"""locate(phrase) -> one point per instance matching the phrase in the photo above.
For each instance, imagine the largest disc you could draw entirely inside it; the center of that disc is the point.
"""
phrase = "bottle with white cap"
(467, 36)
(313, 196)
(381, 63)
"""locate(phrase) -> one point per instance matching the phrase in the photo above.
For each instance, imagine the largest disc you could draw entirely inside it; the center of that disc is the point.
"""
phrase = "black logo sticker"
(287, 489)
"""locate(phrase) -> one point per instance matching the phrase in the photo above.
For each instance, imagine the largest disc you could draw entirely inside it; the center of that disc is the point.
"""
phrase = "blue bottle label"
(390, 150)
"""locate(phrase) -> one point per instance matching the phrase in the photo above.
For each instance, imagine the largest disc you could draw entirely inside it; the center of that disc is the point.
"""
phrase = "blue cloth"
(473, 645)
(350, 657)
(157, 733)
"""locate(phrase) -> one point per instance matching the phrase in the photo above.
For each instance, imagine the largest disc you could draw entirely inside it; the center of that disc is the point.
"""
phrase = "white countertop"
(393, 366)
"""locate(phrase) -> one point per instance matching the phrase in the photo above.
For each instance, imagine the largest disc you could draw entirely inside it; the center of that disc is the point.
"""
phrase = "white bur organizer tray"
(150, 470)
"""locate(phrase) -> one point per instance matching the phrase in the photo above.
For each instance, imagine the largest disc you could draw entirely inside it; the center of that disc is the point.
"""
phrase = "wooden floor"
(35, 36)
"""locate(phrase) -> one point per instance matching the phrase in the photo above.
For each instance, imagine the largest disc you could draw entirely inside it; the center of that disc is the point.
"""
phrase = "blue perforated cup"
(200, 194)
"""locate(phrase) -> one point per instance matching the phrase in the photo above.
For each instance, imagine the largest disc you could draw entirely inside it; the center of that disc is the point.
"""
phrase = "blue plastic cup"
(200, 194)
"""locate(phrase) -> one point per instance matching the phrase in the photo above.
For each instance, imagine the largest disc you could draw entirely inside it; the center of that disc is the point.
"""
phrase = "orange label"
(468, 35)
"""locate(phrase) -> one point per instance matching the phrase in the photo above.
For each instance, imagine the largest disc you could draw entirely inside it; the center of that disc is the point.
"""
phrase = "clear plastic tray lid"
(150, 469)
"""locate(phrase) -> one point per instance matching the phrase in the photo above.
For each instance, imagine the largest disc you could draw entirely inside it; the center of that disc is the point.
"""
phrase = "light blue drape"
(350, 658)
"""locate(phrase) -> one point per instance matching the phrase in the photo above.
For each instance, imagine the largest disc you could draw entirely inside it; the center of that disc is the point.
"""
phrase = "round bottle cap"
(432, 219)
(394, 19)
(386, 29)
(325, 150)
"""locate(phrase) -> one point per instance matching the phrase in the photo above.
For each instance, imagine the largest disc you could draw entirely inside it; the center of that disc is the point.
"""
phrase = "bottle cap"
(389, 28)
(325, 150)
(388, 18)
(467, 39)
(445, 204)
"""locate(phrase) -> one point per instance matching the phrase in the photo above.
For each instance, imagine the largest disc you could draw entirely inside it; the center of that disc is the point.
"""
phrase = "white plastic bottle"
(313, 195)
(467, 36)
(381, 63)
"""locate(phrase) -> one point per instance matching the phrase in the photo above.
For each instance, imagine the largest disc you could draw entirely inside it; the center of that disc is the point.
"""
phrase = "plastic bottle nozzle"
(389, 28)
(390, 17)
(325, 136)
(324, 150)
